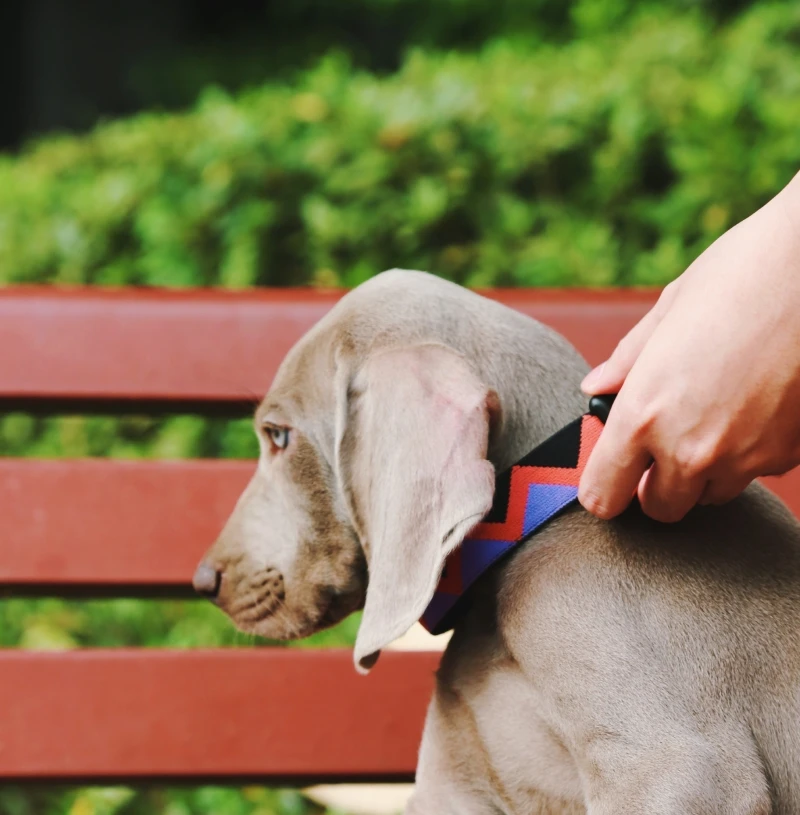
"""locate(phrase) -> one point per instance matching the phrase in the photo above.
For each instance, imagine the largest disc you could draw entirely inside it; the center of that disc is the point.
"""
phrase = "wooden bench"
(123, 528)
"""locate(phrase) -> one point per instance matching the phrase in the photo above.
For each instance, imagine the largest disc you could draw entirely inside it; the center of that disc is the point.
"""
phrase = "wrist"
(790, 197)
(781, 220)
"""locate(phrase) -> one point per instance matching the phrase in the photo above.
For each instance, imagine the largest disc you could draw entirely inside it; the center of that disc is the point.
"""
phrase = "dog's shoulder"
(725, 578)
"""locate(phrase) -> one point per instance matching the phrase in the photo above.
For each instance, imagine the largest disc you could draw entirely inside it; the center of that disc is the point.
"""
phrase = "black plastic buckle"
(600, 406)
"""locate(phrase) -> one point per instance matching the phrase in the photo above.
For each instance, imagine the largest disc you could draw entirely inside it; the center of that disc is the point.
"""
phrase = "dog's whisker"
(246, 605)
(261, 611)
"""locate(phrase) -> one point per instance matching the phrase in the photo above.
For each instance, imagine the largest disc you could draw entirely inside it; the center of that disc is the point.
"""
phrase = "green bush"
(127, 437)
(612, 159)
(154, 801)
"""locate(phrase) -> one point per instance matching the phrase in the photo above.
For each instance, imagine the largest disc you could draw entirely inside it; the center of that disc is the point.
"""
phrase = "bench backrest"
(132, 528)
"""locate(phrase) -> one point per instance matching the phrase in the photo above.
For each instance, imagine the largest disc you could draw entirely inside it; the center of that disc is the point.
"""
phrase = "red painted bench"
(103, 527)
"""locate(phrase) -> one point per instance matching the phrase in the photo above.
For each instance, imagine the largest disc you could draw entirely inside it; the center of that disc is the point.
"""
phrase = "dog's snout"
(206, 580)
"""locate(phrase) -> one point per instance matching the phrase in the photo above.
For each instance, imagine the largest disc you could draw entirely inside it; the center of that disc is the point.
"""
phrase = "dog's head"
(373, 467)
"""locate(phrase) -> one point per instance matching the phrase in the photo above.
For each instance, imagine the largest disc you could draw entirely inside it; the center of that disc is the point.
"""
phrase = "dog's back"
(664, 656)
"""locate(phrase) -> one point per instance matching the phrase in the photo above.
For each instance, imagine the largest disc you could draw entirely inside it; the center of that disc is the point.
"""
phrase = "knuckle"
(637, 418)
(659, 509)
(664, 301)
(668, 291)
(625, 346)
(693, 458)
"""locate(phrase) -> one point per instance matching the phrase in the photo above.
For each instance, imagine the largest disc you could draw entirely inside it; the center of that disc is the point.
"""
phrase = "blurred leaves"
(614, 157)
(153, 801)
(56, 624)
(126, 437)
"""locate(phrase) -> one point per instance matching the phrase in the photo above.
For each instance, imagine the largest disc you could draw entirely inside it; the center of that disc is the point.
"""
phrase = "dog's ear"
(411, 458)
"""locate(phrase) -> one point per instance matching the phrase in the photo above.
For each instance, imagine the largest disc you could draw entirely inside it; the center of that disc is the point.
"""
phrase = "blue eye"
(279, 436)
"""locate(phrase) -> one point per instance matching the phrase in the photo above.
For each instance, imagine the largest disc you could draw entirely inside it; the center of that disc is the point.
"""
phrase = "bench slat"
(274, 715)
(92, 527)
(112, 527)
(93, 349)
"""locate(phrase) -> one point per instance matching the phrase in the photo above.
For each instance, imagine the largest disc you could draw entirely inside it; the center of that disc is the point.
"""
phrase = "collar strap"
(528, 495)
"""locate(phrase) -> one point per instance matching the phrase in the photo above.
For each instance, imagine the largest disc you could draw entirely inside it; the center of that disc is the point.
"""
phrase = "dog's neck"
(538, 385)
(532, 415)
(535, 490)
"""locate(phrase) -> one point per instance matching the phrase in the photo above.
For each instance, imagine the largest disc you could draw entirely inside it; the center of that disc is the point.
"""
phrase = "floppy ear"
(412, 460)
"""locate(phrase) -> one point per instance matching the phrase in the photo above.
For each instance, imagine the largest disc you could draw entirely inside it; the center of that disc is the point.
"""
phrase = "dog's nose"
(206, 581)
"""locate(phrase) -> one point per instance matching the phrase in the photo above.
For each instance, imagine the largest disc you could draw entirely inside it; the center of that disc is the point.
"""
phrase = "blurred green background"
(505, 143)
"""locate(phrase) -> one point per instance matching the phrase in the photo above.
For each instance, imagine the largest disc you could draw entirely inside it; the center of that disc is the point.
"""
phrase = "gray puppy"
(609, 668)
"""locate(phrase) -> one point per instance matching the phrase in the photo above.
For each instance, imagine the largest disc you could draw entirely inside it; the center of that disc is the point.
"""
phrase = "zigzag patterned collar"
(527, 496)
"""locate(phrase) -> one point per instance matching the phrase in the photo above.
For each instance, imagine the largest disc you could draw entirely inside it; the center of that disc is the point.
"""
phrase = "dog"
(619, 667)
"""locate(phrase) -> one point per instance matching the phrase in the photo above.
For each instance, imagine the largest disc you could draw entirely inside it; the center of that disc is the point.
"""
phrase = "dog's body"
(628, 667)
(608, 668)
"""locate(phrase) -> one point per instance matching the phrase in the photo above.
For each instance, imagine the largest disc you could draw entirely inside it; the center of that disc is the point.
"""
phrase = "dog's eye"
(279, 436)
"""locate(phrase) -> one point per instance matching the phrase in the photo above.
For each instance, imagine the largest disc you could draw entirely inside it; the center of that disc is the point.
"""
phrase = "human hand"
(709, 379)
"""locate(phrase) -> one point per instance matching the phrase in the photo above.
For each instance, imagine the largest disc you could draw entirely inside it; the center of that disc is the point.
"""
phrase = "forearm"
(711, 376)
(787, 203)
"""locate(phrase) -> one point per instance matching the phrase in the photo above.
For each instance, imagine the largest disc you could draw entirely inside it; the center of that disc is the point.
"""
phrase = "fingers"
(617, 467)
(608, 377)
(720, 491)
(666, 494)
(613, 471)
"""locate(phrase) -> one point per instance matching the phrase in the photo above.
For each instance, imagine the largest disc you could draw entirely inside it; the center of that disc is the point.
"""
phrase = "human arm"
(709, 380)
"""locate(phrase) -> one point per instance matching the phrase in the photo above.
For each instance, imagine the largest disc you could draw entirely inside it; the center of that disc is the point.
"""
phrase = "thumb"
(609, 377)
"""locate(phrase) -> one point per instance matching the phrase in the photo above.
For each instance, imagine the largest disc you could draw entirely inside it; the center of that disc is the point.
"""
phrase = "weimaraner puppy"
(609, 668)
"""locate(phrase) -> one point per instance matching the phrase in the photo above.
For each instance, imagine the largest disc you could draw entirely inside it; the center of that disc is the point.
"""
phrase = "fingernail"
(591, 502)
(592, 379)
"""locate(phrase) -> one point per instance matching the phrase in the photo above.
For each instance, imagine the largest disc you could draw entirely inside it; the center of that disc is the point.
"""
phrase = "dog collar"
(527, 495)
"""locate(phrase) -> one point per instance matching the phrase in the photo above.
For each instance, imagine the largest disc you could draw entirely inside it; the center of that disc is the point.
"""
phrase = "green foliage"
(156, 801)
(51, 624)
(126, 437)
(613, 158)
